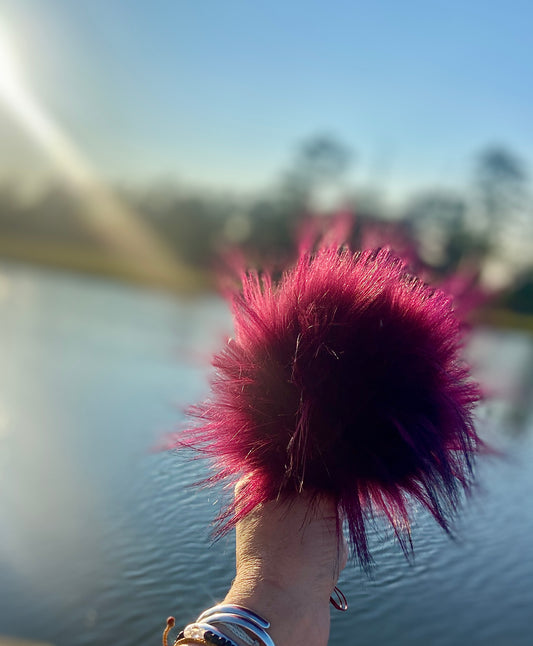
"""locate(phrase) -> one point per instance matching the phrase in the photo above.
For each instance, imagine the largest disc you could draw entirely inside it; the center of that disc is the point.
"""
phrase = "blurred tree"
(439, 224)
(274, 220)
(191, 225)
(500, 179)
(320, 162)
(8, 207)
(53, 216)
(446, 208)
(520, 297)
(323, 158)
(501, 183)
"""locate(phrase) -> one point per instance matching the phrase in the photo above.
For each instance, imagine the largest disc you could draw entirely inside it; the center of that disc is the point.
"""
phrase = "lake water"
(101, 538)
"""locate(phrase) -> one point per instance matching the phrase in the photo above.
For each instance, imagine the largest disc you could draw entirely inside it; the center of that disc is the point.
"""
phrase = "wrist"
(295, 615)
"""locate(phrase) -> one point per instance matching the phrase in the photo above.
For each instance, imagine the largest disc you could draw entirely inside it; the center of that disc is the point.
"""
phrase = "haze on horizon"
(219, 94)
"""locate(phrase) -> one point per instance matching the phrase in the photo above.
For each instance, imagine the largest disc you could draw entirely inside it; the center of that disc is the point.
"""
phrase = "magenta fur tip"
(344, 379)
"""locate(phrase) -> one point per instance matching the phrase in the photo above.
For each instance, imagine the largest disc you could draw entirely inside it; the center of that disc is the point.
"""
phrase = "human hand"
(289, 557)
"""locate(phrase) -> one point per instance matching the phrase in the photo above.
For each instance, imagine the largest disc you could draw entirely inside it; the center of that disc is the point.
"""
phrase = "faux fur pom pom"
(344, 378)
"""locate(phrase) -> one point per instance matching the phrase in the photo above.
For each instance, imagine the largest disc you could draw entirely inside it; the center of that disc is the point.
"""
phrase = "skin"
(289, 557)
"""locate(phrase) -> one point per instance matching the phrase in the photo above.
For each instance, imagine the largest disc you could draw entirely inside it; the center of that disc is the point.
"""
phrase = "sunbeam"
(115, 223)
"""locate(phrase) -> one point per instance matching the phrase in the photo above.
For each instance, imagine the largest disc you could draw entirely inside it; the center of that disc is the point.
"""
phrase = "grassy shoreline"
(505, 319)
(104, 263)
(182, 281)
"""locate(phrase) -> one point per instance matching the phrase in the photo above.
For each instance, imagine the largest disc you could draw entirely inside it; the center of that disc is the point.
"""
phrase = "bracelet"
(241, 634)
(237, 619)
(208, 633)
(240, 611)
(251, 626)
(240, 621)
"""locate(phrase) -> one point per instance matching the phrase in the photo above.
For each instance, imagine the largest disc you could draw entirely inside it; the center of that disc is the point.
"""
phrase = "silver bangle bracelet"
(235, 615)
(251, 626)
(240, 611)
(240, 634)
(236, 619)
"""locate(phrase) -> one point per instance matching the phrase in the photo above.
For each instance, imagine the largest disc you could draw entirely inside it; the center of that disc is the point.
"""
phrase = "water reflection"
(504, 363)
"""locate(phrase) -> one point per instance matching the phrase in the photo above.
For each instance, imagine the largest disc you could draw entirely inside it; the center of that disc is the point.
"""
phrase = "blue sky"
(220, 92)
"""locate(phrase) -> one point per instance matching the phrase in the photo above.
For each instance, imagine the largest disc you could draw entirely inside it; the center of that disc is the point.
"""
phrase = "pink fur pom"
(346, 379)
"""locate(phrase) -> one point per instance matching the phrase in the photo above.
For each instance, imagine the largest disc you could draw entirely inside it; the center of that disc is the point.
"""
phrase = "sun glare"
(9, 69)
(110, 218)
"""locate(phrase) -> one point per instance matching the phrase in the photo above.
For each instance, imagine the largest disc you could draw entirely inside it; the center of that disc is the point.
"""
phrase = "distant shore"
(105, 263)
(182, 281)
(505, 319)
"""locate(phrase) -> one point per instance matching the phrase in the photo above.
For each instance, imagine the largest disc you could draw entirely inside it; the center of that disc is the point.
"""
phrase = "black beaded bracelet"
(217, 639)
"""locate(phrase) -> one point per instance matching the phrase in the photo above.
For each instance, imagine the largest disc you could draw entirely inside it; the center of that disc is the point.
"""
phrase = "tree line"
(485, 227)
